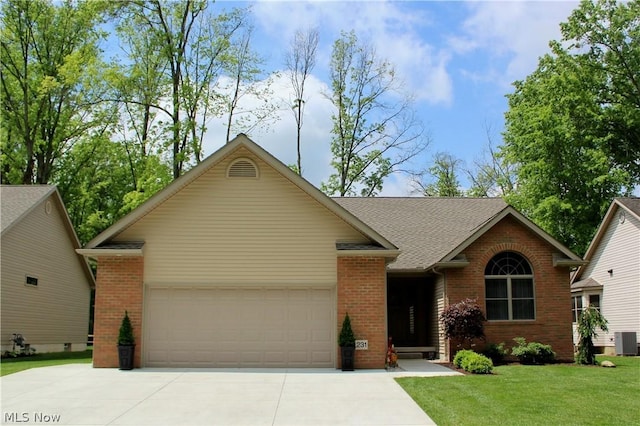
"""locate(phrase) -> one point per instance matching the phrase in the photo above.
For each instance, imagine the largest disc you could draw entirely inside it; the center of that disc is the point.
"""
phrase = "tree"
(443, 181)
(300, 61)
(193, 44)
(588, 322)
(51, 84)
(374, 127)
(604, 35)
(492, 175)
(463, 321)
(243, 73)
(559, 131)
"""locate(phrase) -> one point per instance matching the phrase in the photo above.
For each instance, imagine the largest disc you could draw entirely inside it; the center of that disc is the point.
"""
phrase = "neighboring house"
(611, 279)
(241, 262)
(45, 285)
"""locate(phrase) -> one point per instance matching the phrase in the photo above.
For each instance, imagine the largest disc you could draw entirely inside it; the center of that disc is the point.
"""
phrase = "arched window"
(509, 292)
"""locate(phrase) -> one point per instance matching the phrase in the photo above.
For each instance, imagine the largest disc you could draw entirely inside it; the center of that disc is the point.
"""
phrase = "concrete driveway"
(78, 394)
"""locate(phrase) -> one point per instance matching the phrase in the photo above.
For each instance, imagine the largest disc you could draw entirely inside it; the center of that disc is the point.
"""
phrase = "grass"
(14, 365)
(560, 394)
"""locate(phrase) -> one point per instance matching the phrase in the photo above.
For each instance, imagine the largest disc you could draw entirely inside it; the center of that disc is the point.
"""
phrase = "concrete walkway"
(78, 394)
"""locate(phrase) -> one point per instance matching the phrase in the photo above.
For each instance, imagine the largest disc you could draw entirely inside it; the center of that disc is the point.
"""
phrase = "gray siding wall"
(56, 311)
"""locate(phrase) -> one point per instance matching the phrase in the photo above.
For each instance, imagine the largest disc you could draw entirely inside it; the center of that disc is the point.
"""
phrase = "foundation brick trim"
(362, 290)
(119, 287)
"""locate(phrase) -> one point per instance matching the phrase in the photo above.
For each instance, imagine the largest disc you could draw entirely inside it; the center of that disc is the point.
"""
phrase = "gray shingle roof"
(425, 229)
(17, 200)
(632, 204)
(588, 283)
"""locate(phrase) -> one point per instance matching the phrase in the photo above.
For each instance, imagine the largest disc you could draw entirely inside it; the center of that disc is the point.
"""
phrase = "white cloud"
(390, 28)
(516, 31)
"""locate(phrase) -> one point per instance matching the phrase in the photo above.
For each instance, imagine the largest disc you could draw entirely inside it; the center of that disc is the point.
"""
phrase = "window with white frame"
(509, 290)
(576, 307)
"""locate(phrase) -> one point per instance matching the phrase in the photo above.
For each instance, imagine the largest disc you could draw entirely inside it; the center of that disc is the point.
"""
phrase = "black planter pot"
(125, 356)
(347, 354)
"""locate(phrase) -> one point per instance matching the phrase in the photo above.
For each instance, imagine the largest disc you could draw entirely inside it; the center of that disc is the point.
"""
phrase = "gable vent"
(242, 168)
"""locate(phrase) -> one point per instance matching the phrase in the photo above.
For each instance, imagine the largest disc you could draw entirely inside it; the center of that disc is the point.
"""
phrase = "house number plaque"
(362, 345)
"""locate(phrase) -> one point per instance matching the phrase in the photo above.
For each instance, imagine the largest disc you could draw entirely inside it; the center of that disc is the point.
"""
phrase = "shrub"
(532, 352)
(495, 352)
(125, 335)
(477, 364)
(460, 357)
(346, 337)
(463, 320)
(590, 320)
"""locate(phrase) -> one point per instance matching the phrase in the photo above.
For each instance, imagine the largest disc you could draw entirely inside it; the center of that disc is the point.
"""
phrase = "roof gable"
(238, 143)
(630, 206)
(18, 201)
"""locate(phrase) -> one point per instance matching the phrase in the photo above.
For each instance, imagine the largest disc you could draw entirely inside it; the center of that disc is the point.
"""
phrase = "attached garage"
(239, 263)
(239, 327)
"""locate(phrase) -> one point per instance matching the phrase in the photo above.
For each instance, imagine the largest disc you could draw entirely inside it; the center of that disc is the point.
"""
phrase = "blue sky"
(458, 59)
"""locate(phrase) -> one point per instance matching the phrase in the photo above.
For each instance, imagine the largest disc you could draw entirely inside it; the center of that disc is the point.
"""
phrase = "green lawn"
(13, 365)
(534, 395)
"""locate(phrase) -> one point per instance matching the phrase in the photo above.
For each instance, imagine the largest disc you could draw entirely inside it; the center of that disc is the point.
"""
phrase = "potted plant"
(126, 344)
(347, 342)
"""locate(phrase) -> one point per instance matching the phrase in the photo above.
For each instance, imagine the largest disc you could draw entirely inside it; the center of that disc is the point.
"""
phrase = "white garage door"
(239, 327)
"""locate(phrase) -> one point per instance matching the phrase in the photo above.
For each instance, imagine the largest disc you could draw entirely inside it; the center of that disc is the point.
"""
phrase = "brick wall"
(362, 292)
(118, 288)
(551, 285)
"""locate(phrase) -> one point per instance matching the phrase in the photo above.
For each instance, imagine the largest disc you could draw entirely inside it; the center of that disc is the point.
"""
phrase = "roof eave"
(386, 253)
(95, 253)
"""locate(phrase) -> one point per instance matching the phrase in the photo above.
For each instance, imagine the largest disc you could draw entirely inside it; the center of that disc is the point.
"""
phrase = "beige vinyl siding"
(436, 334)
(56, 311)
(619, 250)
(240, 231)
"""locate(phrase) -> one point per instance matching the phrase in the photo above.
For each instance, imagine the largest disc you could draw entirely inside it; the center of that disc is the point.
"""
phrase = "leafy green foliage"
(346, 337)
(532, 352)
(495, 352)
(441, 179)
(571, 131)
(463, 320)
(588, 322)
(51, 85)
(477, 364)
(473, 362)
(461, 356)
(125, 334)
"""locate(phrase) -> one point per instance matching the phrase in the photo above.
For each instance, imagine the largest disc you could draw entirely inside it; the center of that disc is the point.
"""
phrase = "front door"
(408, 301)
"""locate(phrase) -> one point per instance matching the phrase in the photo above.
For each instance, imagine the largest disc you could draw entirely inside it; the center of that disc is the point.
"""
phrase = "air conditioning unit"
(626, 343)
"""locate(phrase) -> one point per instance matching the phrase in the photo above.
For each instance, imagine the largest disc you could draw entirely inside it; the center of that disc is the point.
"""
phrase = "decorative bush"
(125, 336)
(477, 364)
(460, 357)
(473, 362)
(495, 352)
(532, 352)
(463, 320)
(590, 319)
(346, 337)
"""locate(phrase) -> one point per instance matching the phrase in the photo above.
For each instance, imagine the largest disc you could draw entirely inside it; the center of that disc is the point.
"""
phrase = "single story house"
(45, 285)
(241, 262)
(611, 279)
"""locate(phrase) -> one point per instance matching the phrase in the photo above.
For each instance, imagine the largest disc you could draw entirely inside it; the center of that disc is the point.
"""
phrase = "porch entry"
(412, 314)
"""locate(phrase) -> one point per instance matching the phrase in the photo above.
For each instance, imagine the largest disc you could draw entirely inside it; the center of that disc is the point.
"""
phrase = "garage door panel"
(239, 327)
